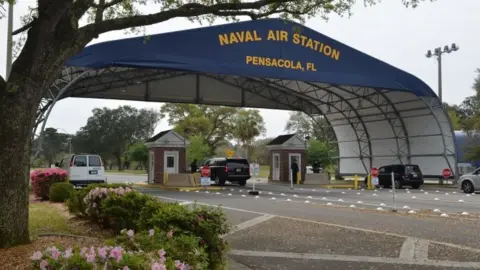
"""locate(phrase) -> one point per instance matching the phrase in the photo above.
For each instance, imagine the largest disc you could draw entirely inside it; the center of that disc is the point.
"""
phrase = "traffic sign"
(229, 153)
(446, 173)
(205, 171)
(374, 172)
(255, 169)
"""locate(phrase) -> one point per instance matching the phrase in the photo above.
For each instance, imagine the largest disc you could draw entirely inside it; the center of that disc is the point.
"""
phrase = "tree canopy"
(54, 143)
(214, 124)
(109, 132)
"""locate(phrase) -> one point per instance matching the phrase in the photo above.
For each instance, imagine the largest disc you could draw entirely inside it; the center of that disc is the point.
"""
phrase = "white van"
(83, 169)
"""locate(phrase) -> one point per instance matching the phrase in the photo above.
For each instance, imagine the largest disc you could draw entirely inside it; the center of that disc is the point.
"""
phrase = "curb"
(171, 188)
(233, 265)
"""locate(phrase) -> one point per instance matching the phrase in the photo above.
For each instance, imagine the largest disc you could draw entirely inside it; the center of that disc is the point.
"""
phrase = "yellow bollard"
(165, 178)
(369, 181)
(355, 182)
(298, 178)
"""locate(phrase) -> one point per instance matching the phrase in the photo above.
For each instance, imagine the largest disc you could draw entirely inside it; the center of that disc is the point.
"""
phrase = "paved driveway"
(275, 231)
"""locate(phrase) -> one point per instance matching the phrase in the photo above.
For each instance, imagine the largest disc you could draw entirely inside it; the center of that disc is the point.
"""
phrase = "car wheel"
(467, 187)
(415, 186)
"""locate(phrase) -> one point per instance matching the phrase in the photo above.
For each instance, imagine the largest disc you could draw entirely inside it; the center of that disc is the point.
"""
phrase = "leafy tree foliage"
(198, 150)
(467, 115)
(214, 124)
(305, 125)
(137, 152)
(54, 143)
(109, 132)
(54, 31)
(259, 152)
(248, 125)
(318, 152)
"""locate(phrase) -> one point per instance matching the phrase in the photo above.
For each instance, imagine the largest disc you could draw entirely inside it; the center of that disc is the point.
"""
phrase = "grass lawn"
(126, 171)
(48, 218)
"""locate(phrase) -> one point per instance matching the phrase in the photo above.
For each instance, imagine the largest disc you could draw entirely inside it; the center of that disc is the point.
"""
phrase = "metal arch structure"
(372, 127)
(379, 114)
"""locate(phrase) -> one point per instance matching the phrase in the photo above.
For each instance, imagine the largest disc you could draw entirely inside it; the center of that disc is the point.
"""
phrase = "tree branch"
(188, 10)
(25, 27)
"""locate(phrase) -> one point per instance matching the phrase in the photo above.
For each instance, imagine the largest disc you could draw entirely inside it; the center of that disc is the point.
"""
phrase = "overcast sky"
(388, 31)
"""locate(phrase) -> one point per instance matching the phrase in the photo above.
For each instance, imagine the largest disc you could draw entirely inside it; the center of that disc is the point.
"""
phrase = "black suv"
(231, 169)
(404, 175)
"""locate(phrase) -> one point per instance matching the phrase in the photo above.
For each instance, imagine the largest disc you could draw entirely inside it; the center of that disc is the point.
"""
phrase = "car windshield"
(412, 169)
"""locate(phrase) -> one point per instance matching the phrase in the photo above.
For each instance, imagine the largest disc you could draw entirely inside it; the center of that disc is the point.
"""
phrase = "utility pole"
(438, 52)
(9, 41)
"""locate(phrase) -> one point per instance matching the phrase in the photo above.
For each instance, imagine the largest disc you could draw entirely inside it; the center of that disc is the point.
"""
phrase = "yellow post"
(165, 178)
(369, 181)
(298, 178)
(355, 182)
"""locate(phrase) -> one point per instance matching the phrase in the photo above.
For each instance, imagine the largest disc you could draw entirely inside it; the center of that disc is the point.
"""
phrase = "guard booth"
(282, 152)
(166, 156)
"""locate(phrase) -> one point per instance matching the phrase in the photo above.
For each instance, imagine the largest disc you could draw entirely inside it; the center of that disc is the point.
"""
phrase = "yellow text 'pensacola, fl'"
(280, 63)
(278, 36)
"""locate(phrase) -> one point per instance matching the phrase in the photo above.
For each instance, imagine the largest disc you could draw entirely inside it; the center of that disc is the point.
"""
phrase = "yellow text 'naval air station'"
(278, 36)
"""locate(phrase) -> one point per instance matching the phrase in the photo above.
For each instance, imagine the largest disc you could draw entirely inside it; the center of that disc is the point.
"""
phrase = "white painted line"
(250, 223)
(421, 249)
(326, 224)
(408, 249)
(349, 258)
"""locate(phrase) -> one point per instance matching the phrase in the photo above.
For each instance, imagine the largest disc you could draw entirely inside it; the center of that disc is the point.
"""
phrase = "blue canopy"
(269, 48)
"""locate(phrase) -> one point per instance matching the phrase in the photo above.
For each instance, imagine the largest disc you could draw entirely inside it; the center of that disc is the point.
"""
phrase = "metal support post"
(394, 209)
(439, 59)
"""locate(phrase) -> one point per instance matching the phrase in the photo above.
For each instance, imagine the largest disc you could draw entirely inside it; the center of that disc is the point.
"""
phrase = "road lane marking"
(250, 223)
(350, 258)
(407, 251)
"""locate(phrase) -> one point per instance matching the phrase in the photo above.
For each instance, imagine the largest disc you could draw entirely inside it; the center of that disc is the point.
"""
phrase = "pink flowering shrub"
(42, 179)
(105, 258)
(183, 247)
(93, 201)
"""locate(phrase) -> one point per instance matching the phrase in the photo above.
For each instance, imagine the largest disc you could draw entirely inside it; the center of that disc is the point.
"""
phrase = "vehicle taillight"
(226, 169)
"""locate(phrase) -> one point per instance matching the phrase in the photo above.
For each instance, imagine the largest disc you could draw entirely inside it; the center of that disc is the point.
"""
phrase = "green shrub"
(206, 223)
(120, 212)
(197, 229)
(60, 192)
(76, 205)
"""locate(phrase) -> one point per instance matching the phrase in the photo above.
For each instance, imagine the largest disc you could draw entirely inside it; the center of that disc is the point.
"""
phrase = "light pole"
(438, 52)
(9, 41)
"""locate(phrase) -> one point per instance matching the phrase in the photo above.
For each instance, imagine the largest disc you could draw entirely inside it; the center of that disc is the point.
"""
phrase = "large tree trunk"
(17, 114)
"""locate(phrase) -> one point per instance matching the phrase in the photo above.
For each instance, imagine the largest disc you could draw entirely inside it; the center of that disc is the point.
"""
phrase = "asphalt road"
(275, 231)
(448, 200)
